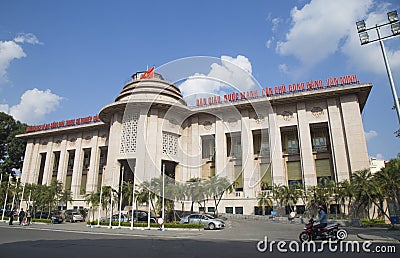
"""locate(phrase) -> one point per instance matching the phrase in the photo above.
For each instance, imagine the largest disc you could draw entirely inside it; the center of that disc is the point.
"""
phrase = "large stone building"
(282, 136)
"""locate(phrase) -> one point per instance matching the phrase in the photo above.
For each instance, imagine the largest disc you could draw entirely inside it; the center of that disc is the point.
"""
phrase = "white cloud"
(370, 135)
(4, 108)
(380, 156)
(9, 50)
(269, 42)
(231, 72)
(27, 38)
(275, 24)
(283, 69)
(34, 106)
(320, 27)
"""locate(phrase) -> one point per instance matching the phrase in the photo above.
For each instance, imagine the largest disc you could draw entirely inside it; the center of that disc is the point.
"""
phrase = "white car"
(73, 216)
(208, 221)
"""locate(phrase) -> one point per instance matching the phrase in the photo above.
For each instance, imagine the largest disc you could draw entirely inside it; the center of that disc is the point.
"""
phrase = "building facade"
(299, 136)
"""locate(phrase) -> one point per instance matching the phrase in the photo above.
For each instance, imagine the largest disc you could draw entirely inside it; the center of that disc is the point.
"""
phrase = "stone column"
(114, 148)
(354, 133)
(62, 167)
(304, 134)
(278, 166)
(141, 150)
(220, 148)
(152, 148)
(48, 166)
(94, 164)
(77, 169)
(28, 162)
(247, 155)
(195, 152)
(338, 146)
(35, 165)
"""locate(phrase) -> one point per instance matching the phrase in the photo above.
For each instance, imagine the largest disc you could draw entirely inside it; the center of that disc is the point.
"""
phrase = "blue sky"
(67, 59)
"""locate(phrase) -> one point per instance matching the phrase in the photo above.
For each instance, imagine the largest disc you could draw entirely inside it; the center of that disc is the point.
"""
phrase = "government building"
(301, 133)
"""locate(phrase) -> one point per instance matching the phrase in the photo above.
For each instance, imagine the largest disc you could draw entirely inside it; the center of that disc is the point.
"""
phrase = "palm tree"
(66, 197)
(264, 198)
(215, 188)
(195, 191)
(93, 200)
(345, 194)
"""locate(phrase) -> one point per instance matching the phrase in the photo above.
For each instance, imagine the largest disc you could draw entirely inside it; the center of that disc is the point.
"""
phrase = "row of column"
(32, 162)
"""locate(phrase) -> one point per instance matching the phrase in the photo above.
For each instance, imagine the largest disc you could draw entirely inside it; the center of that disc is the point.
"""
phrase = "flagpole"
(133, 200)
(120, 196)
(5, 200)
(163, 197)
(149, 213)
(111, 209)
(101, 195)
(22, 196)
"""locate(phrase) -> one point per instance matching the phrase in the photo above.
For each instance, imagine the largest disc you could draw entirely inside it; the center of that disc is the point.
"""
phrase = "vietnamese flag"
(148, 74)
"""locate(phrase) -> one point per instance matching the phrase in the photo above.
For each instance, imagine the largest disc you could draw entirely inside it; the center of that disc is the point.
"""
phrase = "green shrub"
(144, 224)
(372, 222)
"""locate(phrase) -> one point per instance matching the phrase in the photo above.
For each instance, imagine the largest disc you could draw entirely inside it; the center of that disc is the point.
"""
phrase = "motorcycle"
(331, 232)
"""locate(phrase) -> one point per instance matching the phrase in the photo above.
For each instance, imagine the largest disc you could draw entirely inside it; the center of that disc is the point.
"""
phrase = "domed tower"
(145, 125)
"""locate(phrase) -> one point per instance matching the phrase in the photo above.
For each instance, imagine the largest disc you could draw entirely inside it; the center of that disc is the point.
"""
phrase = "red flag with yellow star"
(148, 74)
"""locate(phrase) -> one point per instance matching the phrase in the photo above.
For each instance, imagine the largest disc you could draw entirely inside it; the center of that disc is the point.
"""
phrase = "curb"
(377, 238)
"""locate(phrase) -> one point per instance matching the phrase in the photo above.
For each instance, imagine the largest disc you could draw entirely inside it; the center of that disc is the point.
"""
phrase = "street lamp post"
(364, 39)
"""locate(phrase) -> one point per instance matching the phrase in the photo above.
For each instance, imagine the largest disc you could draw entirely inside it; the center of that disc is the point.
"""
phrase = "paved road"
(239, 239)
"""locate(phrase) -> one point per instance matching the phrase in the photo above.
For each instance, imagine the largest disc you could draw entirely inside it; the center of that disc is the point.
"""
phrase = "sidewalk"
(380, 234)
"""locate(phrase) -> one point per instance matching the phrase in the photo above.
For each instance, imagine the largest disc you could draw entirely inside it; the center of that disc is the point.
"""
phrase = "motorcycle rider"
(323, 219)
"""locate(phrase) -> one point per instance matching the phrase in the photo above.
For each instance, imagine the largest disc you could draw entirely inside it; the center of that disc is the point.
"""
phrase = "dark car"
(55, 219)
(142, 216)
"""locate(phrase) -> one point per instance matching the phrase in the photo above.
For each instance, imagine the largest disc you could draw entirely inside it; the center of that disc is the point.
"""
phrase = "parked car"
(115, 217)
(55, 218)
(73, 216)
(141, 216)
(207, 220)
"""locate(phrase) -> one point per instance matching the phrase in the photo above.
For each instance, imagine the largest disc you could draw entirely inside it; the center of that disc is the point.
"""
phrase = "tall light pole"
(364, 39)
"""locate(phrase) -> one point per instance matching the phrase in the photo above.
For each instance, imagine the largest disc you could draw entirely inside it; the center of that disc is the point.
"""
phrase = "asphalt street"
(239, 239)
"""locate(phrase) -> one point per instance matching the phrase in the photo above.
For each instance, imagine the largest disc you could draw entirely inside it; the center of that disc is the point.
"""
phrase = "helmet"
(320, 207)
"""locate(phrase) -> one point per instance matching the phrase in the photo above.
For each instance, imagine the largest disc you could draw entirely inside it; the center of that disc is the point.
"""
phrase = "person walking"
(11, 218)
(21, 216)
(28, 217)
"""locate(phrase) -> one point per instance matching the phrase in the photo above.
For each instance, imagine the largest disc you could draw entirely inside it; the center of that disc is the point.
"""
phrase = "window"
(234, 146)
(319, 138)
(290, 143)
(266, 176)
(41, 168)
(208, 147)
(211, 209)
(71, 158)
(56, 162)
(238, 183)
(323, 169)
(294, 172)
(86, 159)
(260, 143)
(238, 210)
(229, 210)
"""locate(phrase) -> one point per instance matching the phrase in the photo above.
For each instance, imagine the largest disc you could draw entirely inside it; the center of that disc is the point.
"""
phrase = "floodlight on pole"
(393, 21)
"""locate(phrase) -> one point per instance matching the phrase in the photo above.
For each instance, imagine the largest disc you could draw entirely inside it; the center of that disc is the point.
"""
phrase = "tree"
(195, 191)
(215, 187)
(93, 200)
(12, 149)
(264, 198)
